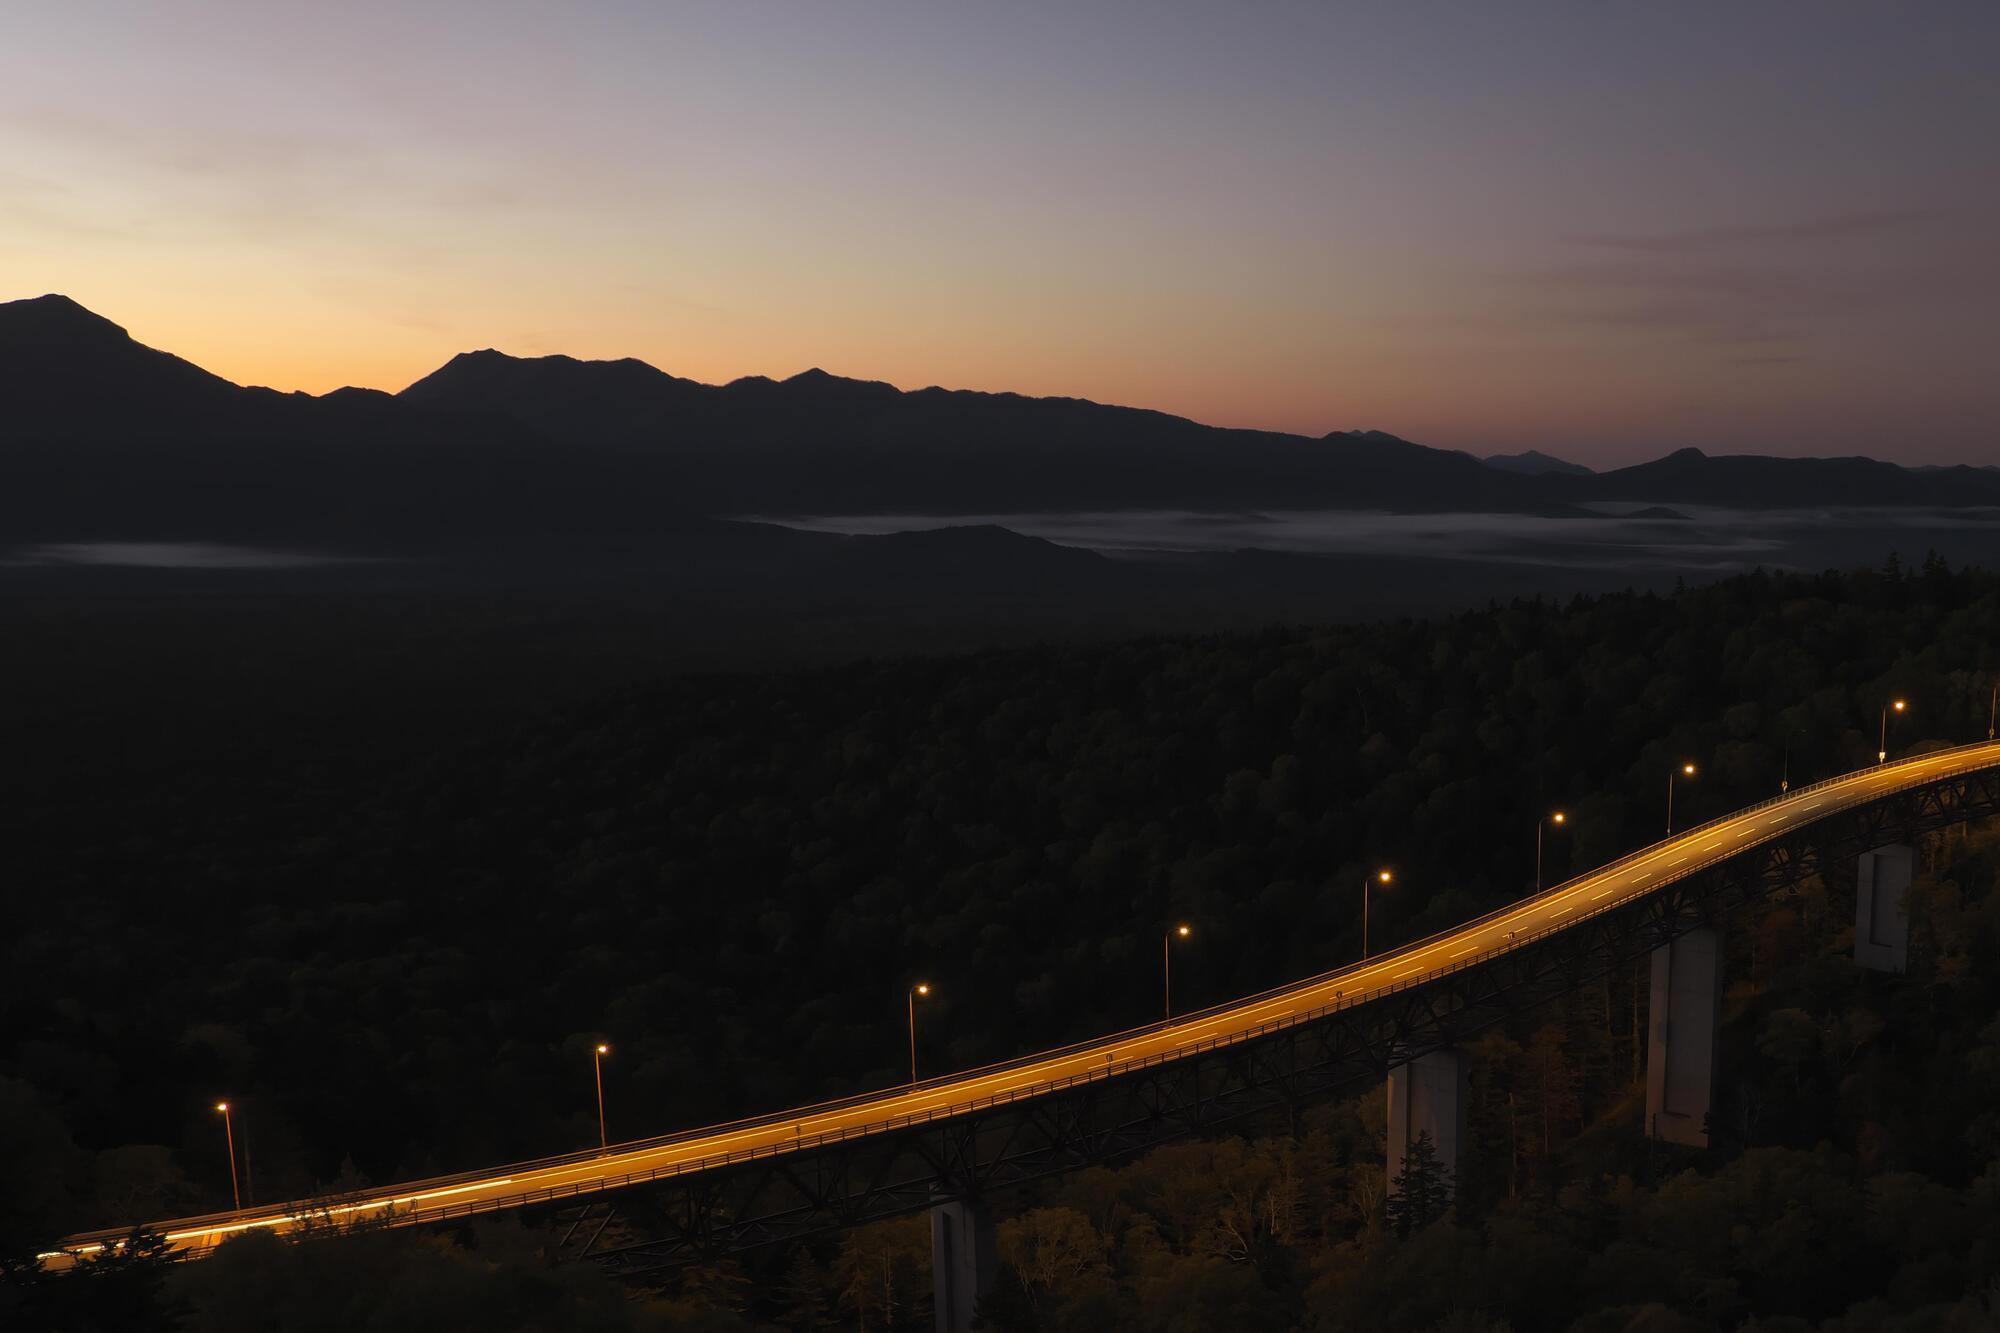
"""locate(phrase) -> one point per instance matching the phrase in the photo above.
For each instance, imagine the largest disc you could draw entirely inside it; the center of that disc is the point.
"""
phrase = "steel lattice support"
(841, 1185)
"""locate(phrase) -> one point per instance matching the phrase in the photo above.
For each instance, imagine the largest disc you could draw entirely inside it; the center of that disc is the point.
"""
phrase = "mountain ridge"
(100, 433)
(1535, 463)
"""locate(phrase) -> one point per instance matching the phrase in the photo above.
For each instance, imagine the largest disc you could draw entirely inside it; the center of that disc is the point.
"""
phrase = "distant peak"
(53, 303)
(826, 382)
(55, 313)
(492, 358)
(1690, 454)
(1535, 463)
(1372, 436)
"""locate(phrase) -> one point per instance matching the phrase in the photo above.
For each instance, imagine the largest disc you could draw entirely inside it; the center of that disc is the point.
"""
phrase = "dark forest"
(394, 947)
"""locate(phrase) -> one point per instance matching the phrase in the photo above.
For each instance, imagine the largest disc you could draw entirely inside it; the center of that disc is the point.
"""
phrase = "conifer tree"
(1422, 1190)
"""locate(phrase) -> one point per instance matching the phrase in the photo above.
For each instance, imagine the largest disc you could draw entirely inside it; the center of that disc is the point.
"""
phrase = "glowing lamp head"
(223, 1107)
(602, 1049)
(1182, 931)
(1384, 876)
(1688, 769)
(923, 988)
(1558, 817)
(1898, 705)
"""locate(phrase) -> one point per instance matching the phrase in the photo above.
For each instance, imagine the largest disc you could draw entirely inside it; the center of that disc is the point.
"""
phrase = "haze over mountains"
(101, 437)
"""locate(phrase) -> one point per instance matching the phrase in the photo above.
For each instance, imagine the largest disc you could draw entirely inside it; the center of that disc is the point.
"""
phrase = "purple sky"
(1600, 230)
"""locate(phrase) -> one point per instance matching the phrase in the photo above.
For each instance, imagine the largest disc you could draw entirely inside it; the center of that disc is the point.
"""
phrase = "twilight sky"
(1601, 230)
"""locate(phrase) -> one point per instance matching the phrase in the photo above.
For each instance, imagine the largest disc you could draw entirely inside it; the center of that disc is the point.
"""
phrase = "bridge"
(946, 1143)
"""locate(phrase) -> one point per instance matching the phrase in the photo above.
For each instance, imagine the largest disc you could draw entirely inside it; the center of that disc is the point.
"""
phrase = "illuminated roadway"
(583, 1174)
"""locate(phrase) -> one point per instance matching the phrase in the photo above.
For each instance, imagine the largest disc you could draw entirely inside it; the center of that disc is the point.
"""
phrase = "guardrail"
(306, 1215)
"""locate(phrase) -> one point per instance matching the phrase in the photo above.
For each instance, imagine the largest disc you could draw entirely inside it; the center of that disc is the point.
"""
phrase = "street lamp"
(1882, 744)
(1379, 877)
(921, 988)
(597, 1064)
(1558, 818)
(229, 1136)
(1685, 770)
(1179, 932)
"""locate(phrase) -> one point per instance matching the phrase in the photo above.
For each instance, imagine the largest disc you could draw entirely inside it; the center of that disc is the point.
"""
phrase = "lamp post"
(597, 1055)
(1558, 818)
(1379, 877)
(1993, 710)
(1179, 932)
(1685, 770)
(1882, 743)
(921, 988)
(229, 1137)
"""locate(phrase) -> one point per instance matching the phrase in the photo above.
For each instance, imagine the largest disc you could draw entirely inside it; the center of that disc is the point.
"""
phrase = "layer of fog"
(1608, 535)
(167, 555)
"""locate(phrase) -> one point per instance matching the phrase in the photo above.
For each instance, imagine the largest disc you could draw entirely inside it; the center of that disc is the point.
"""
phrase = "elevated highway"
(1190, 1069)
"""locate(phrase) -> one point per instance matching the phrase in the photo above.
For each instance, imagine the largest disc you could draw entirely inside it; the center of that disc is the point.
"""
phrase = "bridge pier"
(1680, 1054)
(963, 1261)
(1427, 1095)
(1881, 925)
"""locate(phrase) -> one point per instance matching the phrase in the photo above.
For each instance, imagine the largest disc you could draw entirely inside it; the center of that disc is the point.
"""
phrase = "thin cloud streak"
(1700, 240)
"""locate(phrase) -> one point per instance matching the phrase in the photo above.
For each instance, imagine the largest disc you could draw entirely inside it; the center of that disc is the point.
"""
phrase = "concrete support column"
(1881, 925)
(1680, 1056)
(963, 1261)
(1427, 1095)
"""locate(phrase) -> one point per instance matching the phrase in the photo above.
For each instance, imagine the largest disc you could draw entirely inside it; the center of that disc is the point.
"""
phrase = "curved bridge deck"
(1475, 954)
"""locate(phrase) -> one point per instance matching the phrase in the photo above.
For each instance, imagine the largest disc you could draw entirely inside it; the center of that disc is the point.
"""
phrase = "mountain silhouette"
(561, 397)
(65, 371)
(821, 443)
(1751, 481)
(101, 436)
(1535, 463)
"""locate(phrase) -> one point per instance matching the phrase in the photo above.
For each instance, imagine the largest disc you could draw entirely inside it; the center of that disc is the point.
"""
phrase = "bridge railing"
(1637, 855)
(377, 1212)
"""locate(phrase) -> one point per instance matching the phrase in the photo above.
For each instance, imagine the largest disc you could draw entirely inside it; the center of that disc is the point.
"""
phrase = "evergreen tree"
(1422, 1190)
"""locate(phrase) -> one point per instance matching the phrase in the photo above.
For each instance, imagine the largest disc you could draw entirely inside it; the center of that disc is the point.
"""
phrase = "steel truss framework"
(709, 1215)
